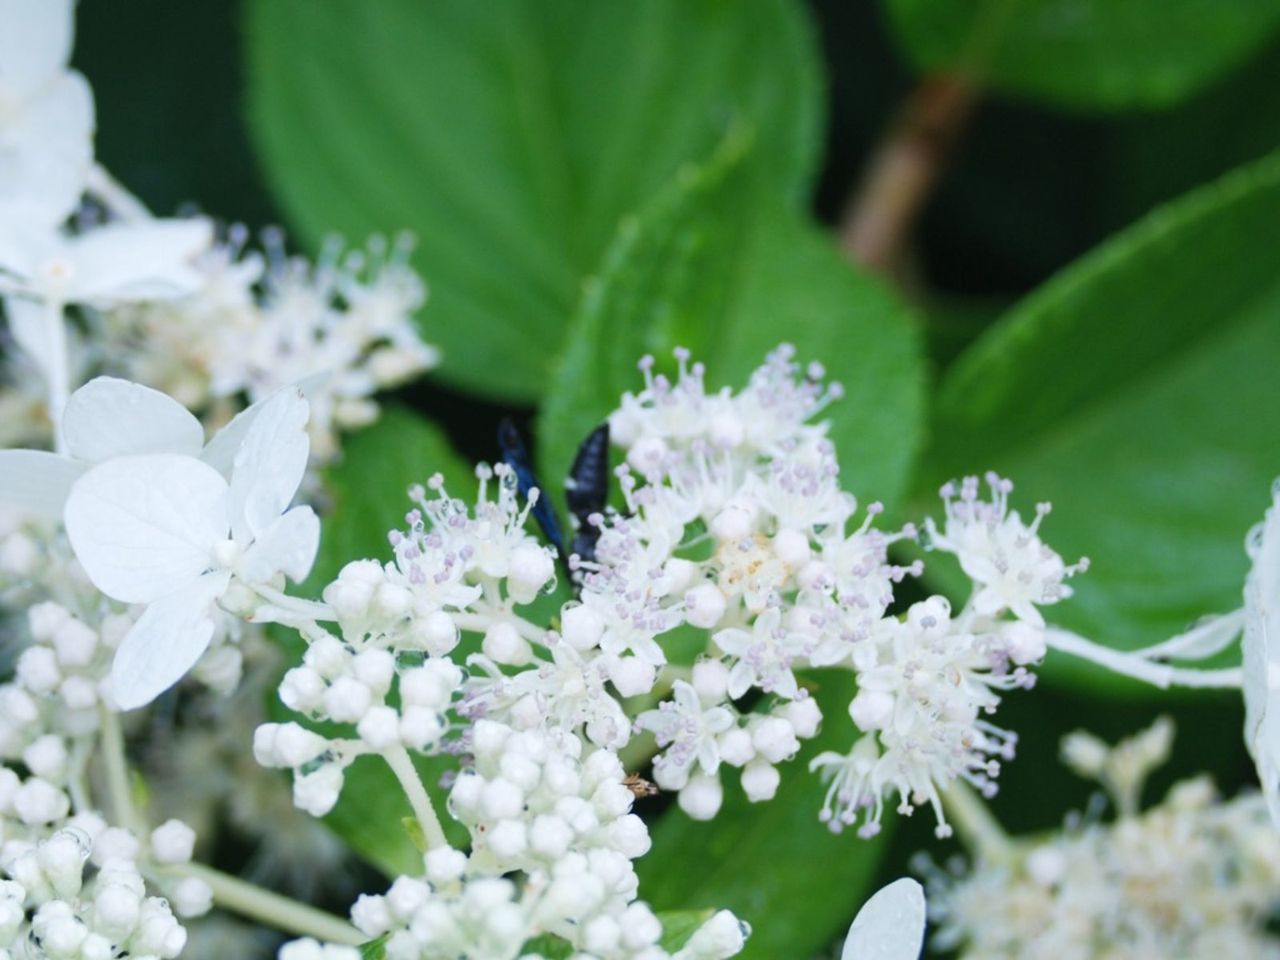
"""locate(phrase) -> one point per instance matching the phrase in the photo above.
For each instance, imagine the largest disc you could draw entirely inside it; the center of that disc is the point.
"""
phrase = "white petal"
(143, 260)
(143, 527)
(34, 44)
(36, 481)
(287, 546)
(220, 452)
(890, 926)
(269, 464)
(1261, 648)
(46, 151)
(108, 418)
(170, 636)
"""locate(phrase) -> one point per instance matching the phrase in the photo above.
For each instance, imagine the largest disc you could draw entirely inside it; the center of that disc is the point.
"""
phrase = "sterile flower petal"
(46, 151)
(269, 464)
(35, 43)
(890, 926)
(144, 526)
(1261, 648)
(170, 636)
(287, 546)
(108, 418)
(37, 481)
(139, 261)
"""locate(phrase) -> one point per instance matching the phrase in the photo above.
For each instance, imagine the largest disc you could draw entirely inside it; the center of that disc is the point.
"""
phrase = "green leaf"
(549, 946)
(774, 864)
(368, 498)
(1137, 392)
(511, 136)
(697, 269)
(1087, 54)
(375, 949)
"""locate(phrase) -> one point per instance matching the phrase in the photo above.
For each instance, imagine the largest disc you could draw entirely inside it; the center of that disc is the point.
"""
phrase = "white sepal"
(170, 636)
(890, 926)
(269, 464)
(145, 526)
(36, 481)
(109, 417)
(35, 43)
(288, 545)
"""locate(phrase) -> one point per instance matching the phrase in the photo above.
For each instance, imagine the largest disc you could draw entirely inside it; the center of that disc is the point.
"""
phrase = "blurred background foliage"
(1081, 288)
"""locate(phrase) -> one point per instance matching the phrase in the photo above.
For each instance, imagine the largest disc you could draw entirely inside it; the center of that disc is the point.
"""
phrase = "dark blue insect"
(515, 456)
(586, 488)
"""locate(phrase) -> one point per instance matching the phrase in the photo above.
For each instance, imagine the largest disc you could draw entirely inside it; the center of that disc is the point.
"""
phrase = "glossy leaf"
(1136, 392)
(1087, 54)
(698, 270)
(511, 137)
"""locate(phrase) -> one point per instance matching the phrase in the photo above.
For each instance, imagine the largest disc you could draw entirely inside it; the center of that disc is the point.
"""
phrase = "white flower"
(1261, 648)
(1013, 569)
(763, 656)
(46, 115)
(169, 531)
(689, 731)
(116, 263)
(108, 418)
(890, 926)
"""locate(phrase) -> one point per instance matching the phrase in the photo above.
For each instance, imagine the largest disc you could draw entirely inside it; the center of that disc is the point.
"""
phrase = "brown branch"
(901, 174)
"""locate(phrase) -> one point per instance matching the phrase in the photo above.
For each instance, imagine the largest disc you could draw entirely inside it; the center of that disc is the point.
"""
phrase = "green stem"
(402, 766)
(282, 913)
(117, 767)
(973, 822)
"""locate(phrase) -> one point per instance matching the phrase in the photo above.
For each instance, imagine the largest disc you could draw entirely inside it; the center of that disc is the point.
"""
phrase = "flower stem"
(256, 903)
(977, 828)
(1161, 675)
(402, 766)
(904, 169)
(59, 370)
(482, 620)
(117, 767)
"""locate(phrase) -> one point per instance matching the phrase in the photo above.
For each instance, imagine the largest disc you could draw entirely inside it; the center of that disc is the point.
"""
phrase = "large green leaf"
(697, 269)
(1089, 54)
(1137, 392)
(511, 136)
(774, 864)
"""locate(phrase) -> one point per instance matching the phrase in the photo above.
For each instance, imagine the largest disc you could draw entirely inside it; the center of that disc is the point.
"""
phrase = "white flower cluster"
(77, 891)
(739, 528)
(1194, 876)
(260, 323)
(541, 791)
(164, 300)
(447, 914)
(52, 703)
(736, 535)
